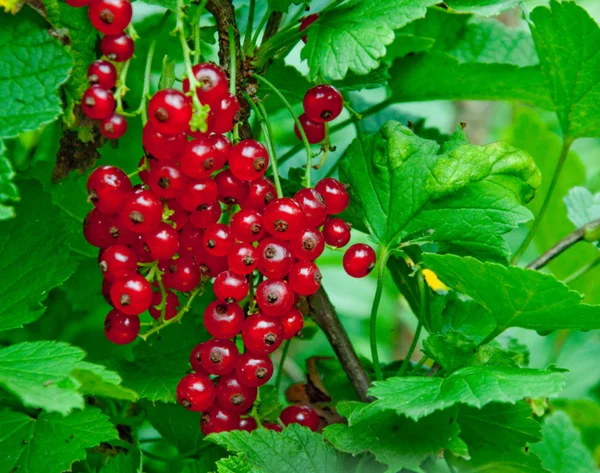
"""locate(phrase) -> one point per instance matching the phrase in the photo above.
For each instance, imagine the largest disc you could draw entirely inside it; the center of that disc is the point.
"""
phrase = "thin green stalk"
(271, 148)
(196, 22)
(422, 315)
(261, 25)
(122, 89)
(232, 71)
(249, 25)
(579, 273)
(279, 376)
(381, 264)
(538, 219)
(419, 365)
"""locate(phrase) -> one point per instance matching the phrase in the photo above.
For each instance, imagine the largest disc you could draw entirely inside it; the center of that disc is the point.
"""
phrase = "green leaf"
(417, 397)
(176, 425)
(567, 39)
(8, 190)
(374, 79)
(236, 464)
(50, 443)
(167, 76)
(583, 207)
(490, 459)
(98, 381)
(34, 257)
(461, 196)
(516, 297)
(354, 36)
(37, 62)
(562, 450)
(482, 7)
(127, 462)
(284, 5)
(295, 449)
(585, 414)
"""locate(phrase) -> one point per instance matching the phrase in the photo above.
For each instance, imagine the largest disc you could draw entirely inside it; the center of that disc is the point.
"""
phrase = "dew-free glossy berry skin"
(248, 160)
(218, 356)
(253, 370)
(190, 241)
(309, 245)
(231, 190)
(284, 218)
(113, 127)
(303, 415)
(179, 216)
(166, 180)
(314, 131)
(305, 278)
(306, 22)
(117, 261)
(196, 392)
(102, 73)
(103, 230)
(272, 426)
(206, 215)
(198, 161)
(223, 147)
(131, 294)
(274, 297)
(213, 82)
(120, 328)
(106, 285)
(230, 287)
(169, 111)
(218, 239)
(162, 146)
(336, 232)
(359, 260)
(141, 211)
(242, 258)
(248, 424)
(195, 360)
(313, 205)
(171, 307)
(334, 193)
(197, 193)
(117, 47)
(221, 118)
(107, 187)
(223, 320)
(97, 103)
(262, 335)
(292, 323)
(181, 274)
(246, 225)
(216, 420)
(110, 16)
(77, 3)
(261, 193)
(323, 103)
(210, 266)
(139, 247)
(275, 258)
(234, 396)
(162, 242)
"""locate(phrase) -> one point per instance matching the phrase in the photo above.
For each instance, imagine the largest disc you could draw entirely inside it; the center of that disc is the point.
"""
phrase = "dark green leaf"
(177, 426)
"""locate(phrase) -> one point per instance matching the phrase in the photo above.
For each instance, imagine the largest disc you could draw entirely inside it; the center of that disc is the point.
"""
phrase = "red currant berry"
(77, 3)
(274, 297)
(199, 158)
(336, 232)
(166, 180)
(313, 205)
(231, 190)
(120, 328)
(131, 294)
(180, 274)
(141, 211)
(169, 111)
(292, 323)
(306, 22)
(141, 250)
(261, 193)
(197, 193)
(216, 420)
(195, 360)
(190, 240)
(359, 260)
(162, 242)
(110, 16)
(303, 415)
(248, 424)
(242, 258)
(196, 392)
(253, 370)
(219, 356)
(171, 305)
(275, 258)
(102, 73)
(117, 47)
(104, 230)
(248, 160)
(179, 217)
(213, 82)
(230, 287)
(117, 261)
(309, 245)
(246, 226)
(206, 215)
(272, 426)
(233, 396)
(284, 218)
(222, 114)
(223, 320)
(334, 193)
(114, 126)
(323, 103)
(98, 103)
(107, 187)
(314, 131)
(262, 335)
(305, 278)
(162, 146)
(223, 147)
(218, 239)
(106, 285)
(210, 266)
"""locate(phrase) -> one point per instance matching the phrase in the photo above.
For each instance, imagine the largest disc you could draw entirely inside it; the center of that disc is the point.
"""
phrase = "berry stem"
(232, 58)
(423, 309)
(381, 264)
(122, 89)
(197, 31)
(353, 112)
(577, 274)
(415, 369)
(163, 293)
(279, 376)
(326, 147)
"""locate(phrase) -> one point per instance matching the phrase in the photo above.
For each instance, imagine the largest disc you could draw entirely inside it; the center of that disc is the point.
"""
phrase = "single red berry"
(248, 424)
(359, 260)
(219, 357)
(223, 320)
(334, 193)
(231, 190)
(199, 158)
(107, 187)
(233, 396)
(309, 245)
(284, 218)
(162, 242)
(120, 328)
(206, 215)
(213, 82)
(166, 180)
(262, 335)
(190, 240)
(114, 126)
(106, 285)
(117, 261)
(305, 278)
(218, 239)
(171, 305)
(336, 232)
(221, 118)
(253, 370)
(314, 131)
(306, 22)
(261, 193)
(77, 3)
(169, 111)
(197, 193)
(210, 266)
(223, 147)
(275, 258)
(246, 226)
(274, 297)
(102, 73)
(110, 16)
(248, 160)
(117, 47)
(195, 360)
(131, 294)
(180, 274)
(162, 146)
(230, 287)
(216, 420)
(103, 230)
(242, 258)
(292, 323)
(141, 211)
(196, 392)
(141, 250)
(272, 426)
(323, 103)
(179, 216)
(303, 415)
(313, 205)
(98, 103)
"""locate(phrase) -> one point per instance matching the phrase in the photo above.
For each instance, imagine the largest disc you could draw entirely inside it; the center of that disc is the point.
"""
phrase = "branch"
(563, 245)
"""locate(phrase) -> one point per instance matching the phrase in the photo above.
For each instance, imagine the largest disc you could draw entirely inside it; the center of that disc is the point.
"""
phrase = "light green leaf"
(96, 380)
(567, 40)
(583, 207)
(482, 7)
(585, 415)
(490, 459)
(236, 464)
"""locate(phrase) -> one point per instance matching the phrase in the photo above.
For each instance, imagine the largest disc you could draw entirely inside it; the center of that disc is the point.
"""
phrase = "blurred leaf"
(8, 190)
(269, 407)
(482, 7)
(284, 5)
(128, 462)
(579, 353)
(583, 207)
(585, 414)
(167, 76)
(176, 425)
(489, 459)
(373, 80)
(97, 381)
